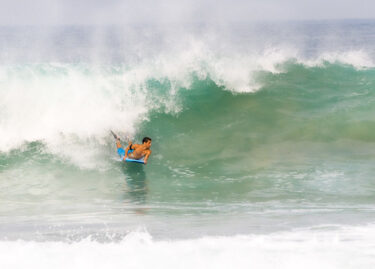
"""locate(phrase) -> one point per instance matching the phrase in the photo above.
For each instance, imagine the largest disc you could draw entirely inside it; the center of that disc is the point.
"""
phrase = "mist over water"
(260, 130)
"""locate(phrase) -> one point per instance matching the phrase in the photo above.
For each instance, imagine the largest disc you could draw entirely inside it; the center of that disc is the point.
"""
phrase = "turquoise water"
(275, 143)
(301, 143)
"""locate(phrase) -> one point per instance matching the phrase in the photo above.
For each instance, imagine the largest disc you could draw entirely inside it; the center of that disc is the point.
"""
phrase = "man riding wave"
(135, 151)
(139, 150)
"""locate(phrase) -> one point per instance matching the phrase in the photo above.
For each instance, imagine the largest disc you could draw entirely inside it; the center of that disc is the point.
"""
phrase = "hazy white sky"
(47, 12)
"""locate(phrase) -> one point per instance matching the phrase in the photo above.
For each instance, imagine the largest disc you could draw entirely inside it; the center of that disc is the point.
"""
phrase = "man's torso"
(138, 153)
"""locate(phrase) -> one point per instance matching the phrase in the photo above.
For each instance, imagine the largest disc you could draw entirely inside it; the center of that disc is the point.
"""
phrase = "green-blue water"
(249, 142)
(303, 142)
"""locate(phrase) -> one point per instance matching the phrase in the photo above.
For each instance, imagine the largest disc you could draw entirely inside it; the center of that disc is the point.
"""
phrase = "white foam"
(70, 108)
(347, 247)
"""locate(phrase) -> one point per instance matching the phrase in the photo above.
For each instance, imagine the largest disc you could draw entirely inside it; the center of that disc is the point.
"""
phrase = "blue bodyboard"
(121, 152)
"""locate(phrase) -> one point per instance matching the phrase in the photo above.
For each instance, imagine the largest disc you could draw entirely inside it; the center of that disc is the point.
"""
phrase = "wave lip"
(359, 59)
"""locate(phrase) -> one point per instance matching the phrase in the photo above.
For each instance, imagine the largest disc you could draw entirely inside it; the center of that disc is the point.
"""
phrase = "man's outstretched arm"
(147, 155)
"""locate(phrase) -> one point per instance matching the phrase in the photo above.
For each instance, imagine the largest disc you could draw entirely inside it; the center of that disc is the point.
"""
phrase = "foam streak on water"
(336, 248)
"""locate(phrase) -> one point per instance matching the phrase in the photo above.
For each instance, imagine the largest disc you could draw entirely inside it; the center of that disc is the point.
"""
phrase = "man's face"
(148, 144)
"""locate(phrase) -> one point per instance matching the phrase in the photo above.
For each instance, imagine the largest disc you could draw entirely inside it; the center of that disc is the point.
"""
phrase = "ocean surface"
(263, 146)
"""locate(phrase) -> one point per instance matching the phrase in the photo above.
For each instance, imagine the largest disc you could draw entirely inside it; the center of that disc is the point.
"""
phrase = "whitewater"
(262, 153)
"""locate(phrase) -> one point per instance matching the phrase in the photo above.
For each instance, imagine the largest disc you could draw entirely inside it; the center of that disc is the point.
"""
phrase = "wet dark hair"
(146, 139)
